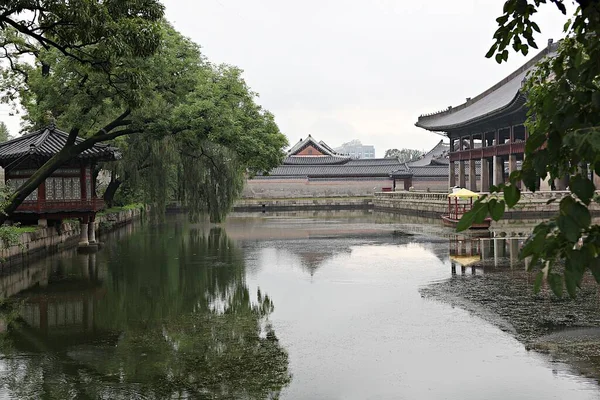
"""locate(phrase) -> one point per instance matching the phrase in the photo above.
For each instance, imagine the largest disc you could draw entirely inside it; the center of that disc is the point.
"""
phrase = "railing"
(499, 150)
(49, 206)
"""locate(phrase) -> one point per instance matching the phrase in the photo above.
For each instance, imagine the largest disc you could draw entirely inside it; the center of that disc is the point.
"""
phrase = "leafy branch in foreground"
(563, 101)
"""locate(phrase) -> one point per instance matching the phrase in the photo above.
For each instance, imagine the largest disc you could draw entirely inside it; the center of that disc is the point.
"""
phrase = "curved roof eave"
(479, 118)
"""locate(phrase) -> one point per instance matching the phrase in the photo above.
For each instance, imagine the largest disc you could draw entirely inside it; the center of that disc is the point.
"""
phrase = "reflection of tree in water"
(177, 320)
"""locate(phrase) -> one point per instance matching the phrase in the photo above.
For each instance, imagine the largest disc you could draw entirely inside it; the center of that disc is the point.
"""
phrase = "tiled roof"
(334, 170)
(46, 143)
(439, 151)
(310, 141)
(315, 160)
(363, 162)
(430, 170)
(494, 100)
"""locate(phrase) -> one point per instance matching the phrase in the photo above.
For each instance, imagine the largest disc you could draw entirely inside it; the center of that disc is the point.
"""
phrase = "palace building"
(313, 168)
(70, 192)
(487, 133)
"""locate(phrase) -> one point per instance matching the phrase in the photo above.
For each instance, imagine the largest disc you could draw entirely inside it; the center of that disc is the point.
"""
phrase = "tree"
(4, 134)
(170, 112)
(88, 31)
(563, 99)
(404, 155)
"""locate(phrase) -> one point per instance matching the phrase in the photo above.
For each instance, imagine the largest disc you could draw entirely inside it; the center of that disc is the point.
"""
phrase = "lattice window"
(58, 189)
(50, 188)
(68, 188)
(76, 183)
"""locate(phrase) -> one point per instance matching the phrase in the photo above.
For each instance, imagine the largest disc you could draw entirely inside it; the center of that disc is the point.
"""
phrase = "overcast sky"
(354, 69)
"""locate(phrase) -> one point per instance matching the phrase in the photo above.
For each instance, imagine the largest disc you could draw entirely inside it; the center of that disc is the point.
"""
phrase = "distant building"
(312, 168)
(355, 149)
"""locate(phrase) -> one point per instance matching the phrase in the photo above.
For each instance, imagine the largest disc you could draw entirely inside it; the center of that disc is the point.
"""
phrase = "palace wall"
(298, 188)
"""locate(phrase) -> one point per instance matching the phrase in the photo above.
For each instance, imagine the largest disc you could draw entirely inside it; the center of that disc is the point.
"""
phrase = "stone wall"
(283, 204)
(50, 239)
(298, 188)
(531, 205)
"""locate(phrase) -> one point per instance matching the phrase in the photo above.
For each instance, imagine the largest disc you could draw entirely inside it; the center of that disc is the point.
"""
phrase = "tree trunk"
(109, 193)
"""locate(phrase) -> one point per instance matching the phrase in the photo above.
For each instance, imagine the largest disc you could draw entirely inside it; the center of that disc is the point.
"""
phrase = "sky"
(354, 69)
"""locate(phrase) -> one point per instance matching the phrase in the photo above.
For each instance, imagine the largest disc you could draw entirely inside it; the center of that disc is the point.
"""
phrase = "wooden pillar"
(512, 163)
(92, 231)
(485, 175)
(498, 170)
(83, 237)
(472, 176)
(407, 183)
(461, 174)
(451, 174)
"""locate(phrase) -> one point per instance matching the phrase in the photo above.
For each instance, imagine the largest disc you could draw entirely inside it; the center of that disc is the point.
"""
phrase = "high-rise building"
(355, 149)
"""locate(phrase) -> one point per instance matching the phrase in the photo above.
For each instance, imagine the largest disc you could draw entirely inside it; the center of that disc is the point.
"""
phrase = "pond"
(291, 306)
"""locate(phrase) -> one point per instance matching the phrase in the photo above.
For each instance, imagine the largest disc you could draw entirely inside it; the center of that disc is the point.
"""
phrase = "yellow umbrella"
(464, 194)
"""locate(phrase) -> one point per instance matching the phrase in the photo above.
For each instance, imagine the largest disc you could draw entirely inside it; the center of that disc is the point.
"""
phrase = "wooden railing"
(49, 206)
(499, 150)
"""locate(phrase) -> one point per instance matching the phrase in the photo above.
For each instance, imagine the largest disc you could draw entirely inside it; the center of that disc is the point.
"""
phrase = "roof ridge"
(28, 135)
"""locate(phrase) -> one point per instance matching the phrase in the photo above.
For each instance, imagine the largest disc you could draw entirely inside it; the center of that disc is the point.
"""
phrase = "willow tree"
(205, 167)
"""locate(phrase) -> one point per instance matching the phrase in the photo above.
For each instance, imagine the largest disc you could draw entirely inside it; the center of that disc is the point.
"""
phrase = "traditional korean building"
(487, 132)
(312, 168)
(70, 192)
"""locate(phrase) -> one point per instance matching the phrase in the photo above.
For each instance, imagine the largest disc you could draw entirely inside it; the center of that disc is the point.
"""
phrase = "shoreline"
(568, 330)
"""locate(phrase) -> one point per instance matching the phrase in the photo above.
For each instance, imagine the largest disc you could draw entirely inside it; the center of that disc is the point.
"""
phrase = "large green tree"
(185, 126)
(563, 99)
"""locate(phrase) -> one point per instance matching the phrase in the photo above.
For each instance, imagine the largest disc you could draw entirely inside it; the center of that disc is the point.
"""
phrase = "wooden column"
(498, 170)
(472, 176)
(461, 174)
(451, 174)
(512, 163)
(485, 175)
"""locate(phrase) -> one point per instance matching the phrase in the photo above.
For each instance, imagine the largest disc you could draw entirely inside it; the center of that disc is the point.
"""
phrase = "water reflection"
(166, 313)
(480, 252)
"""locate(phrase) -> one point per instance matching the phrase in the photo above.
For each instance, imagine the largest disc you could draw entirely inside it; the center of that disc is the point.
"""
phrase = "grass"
(127, 207)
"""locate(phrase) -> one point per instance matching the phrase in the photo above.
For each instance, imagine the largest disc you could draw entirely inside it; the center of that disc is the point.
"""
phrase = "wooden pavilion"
(488, 132)
(70, 192)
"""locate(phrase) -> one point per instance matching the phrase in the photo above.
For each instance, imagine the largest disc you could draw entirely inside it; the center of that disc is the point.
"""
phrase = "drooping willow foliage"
(211, 180)
(204, 177)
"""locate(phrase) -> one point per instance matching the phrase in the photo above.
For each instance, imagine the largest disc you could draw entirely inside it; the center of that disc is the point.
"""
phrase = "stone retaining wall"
(49, 240)
(531, 205)
(330, 203)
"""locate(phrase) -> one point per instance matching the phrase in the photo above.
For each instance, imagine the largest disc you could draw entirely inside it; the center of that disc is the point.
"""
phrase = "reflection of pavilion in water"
(58, 300)
(477, 252)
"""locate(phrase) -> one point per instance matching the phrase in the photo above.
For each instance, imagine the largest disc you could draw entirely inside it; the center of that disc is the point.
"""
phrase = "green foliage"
(188, 130)
(404, 155)
(4, 134)
(564, 140)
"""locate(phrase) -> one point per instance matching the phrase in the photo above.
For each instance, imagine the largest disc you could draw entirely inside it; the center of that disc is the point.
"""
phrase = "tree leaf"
(571, 283)
(512, 194)
(466, 221)
(496, 209)
(556, 284)
(537, 285)
(582, 187)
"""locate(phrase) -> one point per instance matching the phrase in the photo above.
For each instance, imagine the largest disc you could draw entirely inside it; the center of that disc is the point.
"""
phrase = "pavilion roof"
(48, 141)
(440, 151)
(310, 141)
(504, 95)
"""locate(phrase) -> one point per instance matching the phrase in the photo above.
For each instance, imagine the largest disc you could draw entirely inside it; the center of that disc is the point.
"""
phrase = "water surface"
(300, 306)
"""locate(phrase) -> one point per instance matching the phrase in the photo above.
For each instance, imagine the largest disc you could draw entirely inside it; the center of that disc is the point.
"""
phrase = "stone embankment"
(52, 239)
(531, 205)
(306, 204)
